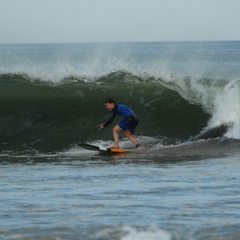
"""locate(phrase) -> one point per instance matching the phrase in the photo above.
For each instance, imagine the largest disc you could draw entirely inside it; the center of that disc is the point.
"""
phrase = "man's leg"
(116, 129)
(130, 136)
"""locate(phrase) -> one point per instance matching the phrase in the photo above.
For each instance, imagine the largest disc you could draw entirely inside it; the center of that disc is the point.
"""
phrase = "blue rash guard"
(130, 120)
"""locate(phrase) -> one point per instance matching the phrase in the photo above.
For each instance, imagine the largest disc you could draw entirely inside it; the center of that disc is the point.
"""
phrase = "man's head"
(110, 104)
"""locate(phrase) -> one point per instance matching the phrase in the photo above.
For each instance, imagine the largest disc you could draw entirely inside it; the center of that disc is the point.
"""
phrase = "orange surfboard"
(96, 148)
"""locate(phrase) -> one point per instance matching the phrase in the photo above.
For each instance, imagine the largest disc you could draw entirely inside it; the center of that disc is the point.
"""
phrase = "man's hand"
(101, 126)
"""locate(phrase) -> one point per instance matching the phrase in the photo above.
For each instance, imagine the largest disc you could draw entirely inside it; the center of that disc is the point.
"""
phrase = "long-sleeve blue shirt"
(120, 110)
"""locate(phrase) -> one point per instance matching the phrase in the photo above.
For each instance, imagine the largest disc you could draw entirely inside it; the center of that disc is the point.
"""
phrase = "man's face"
(110, 106)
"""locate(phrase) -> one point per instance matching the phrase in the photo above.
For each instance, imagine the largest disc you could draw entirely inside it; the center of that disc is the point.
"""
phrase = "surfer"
(128, 124)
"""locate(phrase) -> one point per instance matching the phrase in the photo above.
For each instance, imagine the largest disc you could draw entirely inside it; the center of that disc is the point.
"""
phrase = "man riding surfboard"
(128, 124)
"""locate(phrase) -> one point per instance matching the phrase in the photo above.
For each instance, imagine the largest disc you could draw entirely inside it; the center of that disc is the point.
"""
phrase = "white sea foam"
(152, 233)
(226, 109)
(221, 99)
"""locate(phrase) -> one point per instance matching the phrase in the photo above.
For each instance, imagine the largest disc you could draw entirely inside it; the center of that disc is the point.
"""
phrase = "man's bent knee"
(116, 129)
(128, 134)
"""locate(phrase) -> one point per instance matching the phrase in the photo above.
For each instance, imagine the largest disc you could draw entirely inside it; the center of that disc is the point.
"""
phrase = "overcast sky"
(67, 21)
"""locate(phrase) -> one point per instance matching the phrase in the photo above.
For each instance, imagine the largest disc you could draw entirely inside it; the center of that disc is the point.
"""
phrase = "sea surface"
(184, 184)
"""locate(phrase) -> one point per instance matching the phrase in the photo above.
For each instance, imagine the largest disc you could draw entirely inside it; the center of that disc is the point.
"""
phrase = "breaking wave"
(43, 114)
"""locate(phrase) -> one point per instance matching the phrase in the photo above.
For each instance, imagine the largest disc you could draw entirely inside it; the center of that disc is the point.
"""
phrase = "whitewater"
(183, 185)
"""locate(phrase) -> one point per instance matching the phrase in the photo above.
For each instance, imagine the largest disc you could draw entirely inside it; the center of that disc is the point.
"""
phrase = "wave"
(45, 115)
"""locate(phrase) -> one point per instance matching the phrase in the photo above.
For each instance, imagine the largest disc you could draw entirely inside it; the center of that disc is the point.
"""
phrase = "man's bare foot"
(115, 146)
(140, 148)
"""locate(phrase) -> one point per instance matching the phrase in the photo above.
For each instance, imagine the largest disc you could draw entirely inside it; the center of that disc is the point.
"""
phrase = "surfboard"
(102, 149)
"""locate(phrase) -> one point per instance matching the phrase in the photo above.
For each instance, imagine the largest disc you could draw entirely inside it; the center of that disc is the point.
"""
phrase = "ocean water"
(183, 185)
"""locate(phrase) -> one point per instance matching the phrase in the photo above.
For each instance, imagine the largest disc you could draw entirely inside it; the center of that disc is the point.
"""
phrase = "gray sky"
(66, 21)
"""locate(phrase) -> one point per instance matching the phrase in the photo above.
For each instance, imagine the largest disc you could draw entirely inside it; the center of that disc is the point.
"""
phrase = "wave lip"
(226, 109)
(219, 98)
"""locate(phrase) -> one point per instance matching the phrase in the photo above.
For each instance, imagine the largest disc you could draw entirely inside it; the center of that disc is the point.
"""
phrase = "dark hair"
(110, 101)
